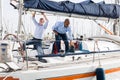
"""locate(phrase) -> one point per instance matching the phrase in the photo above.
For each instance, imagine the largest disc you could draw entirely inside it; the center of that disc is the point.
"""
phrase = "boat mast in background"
(116, 25)
(117, 2)
(1, 27)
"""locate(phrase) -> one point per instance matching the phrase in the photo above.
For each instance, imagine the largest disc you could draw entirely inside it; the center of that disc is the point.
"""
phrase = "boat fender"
(80, 46)
(100, 74)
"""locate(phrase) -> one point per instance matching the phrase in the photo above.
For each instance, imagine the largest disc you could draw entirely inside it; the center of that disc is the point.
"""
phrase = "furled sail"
(86, 8)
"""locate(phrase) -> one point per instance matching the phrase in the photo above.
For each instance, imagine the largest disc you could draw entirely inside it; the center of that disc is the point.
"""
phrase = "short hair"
(41, 19)
(67, 20)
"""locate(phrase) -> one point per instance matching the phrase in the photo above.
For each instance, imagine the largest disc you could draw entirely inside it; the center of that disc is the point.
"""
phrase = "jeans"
(37, 45)
(63, 37)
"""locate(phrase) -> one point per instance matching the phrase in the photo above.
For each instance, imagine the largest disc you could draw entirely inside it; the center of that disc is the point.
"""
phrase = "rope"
(7, 76)
(105, 29)
(99, 51)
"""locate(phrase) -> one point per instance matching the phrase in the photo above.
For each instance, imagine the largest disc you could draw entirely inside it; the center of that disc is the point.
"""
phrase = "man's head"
(66, 22)
(41, 21)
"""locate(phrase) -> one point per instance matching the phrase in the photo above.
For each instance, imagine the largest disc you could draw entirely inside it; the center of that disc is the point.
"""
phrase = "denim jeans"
(37, 45)
(63, 37)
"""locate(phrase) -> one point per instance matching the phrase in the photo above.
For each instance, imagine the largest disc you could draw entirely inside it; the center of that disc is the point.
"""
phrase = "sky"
(10, 19)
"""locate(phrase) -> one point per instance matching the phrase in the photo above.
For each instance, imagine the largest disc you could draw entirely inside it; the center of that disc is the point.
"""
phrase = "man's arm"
(56, 33)
(54, 28)
(46, 23)
(71, 37)
(70, 33)
(44, 16)
(33, 18)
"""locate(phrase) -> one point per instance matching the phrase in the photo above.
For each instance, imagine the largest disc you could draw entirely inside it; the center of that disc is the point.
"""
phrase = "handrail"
(72, 53)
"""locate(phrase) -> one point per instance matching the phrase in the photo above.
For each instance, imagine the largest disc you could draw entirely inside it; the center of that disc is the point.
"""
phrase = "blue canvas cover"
(86, 8)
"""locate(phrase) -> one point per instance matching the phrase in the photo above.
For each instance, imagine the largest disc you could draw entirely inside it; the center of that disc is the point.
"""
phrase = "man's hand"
(42, 13)
(71, 43)
(33, 14)
(44, 16)
(56, 33)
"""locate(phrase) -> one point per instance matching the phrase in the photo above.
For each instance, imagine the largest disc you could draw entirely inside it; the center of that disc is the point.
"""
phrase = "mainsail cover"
(88, 8)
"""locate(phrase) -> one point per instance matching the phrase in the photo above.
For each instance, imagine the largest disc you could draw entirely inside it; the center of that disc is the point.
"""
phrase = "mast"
(20, 24)
(20, 16)
(1, 28)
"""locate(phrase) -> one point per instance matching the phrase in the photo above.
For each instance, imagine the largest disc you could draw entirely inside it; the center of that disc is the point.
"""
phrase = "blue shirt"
(39, 30)
(59, 27)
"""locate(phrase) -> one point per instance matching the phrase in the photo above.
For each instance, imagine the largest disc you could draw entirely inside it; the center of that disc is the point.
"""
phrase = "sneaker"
(61, 51)
(43, 60)
(72, 49)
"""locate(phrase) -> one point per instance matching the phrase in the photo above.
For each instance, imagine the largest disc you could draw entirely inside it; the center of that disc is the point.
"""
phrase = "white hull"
(82, 69)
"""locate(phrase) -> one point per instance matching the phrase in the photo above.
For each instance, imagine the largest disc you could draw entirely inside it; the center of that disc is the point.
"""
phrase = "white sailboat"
(99, 59)
(75, 66)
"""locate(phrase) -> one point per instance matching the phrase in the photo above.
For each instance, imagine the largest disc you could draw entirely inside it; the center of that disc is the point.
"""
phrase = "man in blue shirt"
(60, 29)
(38, 34)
